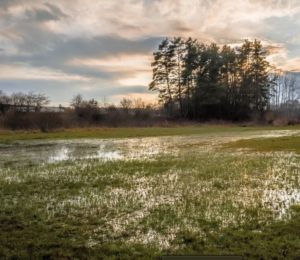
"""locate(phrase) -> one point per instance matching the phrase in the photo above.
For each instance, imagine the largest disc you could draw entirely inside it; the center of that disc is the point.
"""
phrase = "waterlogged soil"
(159, 192)
(21, 152)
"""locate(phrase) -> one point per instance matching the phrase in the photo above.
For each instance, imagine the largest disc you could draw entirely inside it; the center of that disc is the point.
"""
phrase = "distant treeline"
(22, 102)
(200, 81)
(21, 111)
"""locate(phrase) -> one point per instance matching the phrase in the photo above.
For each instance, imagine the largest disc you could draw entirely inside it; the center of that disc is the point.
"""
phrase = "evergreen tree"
(262, 82)
(189, 74)
(178, 47)
(163, 71)
(228, 73)
(209, 81)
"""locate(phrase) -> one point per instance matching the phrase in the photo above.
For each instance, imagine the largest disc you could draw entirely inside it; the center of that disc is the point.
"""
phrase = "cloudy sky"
(103, 48)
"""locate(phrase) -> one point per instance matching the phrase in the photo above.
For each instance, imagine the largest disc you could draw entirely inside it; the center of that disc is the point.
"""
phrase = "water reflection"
(120, 149)
(62, 150)
(71, 151)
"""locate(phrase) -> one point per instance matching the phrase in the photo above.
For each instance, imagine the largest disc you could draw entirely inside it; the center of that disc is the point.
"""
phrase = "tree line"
(201, 81)
(285, 95)
(33, 102)
(22, 102)
(24, 111)
(195, 81)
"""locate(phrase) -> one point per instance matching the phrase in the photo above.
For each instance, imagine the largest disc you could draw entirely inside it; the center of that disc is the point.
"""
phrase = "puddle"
(102, 149)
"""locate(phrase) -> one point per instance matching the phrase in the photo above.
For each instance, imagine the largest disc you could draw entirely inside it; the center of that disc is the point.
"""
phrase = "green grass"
(284, 143)
(196, 200)
(9, 136)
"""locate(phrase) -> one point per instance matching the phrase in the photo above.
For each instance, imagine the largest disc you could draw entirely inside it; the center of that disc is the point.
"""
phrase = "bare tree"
(138, 103)
(39, 101)
(29, 100)
(93, 103)
(291, 93)
(126, 104)
(18, 101)
(76, 101)
(104, 103)
(275, 91)
(23, 102)
(285, 93)
(4, 99)
(5, 102)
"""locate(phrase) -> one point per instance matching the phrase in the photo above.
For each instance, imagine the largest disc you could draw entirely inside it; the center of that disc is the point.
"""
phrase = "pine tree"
(189, 73)
(261, 79)
(206, 79)
(163, 71)
(178, 47)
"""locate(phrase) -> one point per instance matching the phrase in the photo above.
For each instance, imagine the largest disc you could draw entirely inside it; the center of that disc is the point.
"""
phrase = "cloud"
(292, 65)
(56, 10)
(93, 73)
(282, 29)
(42, 15)
(60, 53)
(4, 4)
(8, 4)
(104, 43)
(104, 46)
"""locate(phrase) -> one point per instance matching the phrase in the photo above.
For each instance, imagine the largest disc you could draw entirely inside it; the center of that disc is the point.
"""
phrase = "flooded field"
(158, 193)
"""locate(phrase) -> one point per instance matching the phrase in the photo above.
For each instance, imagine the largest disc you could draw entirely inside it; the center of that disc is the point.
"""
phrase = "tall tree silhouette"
(189, 73)
(178, 47)
(212, 81)
(163, 73)
(261, 78)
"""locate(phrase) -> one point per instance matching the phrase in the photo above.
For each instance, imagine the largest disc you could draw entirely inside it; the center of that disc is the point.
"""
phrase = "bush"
(48, 121)
(286, 121)
(1, 120)
(17, 120)
(271, 116)
(96, 117)
(292, 121)
(257, 117)
(142, 113)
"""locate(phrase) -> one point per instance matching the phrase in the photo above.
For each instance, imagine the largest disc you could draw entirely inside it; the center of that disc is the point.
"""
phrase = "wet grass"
(10, 136)
(196, 200)
(284, 143)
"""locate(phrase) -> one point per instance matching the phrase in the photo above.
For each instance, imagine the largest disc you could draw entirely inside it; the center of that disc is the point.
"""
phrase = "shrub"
(18, 120)
(292, 121)
(48, 121)
(271, 116)
(142, 113)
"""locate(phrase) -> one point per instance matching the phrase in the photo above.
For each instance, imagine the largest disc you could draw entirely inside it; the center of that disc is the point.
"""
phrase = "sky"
(103, 49)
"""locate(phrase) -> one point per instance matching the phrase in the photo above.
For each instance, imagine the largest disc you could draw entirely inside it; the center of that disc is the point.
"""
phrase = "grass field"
(8, 136)
(197, 190)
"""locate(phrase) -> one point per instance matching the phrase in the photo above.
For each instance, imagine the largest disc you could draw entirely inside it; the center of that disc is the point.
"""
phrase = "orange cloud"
(148, 97)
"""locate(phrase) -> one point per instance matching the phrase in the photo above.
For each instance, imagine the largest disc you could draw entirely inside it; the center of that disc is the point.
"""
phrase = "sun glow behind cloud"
(147, 97)
(138, 66)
